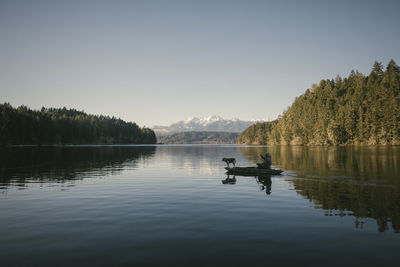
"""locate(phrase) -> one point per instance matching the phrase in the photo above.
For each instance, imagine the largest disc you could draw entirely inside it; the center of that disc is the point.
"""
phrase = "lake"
(173, 205)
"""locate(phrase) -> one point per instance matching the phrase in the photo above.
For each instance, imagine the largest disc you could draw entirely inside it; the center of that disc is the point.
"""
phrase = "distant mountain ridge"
(199, 138)
(211, 123)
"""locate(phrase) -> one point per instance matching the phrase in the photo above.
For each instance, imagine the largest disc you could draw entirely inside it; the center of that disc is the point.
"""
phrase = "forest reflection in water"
(363, 182)
(122, 205)
(20, 166)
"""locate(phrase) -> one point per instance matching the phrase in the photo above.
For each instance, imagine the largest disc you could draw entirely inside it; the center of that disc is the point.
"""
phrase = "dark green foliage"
(355, 110)
(67, 126)
(200, 138)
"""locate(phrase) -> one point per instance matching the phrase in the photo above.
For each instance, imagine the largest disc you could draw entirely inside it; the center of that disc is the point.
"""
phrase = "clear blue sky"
(156, 62)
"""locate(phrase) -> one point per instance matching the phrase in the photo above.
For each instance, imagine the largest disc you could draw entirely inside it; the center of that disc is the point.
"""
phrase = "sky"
(158, 62)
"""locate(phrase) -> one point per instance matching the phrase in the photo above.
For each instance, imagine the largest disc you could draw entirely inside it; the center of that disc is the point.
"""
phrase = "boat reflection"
(264, 181)
(229, 180)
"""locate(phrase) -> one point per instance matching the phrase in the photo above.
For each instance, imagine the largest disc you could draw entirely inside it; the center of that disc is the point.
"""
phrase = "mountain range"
(211, 123)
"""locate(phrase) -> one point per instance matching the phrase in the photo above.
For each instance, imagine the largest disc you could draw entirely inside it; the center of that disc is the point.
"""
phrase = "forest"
(22, 126)
(203, 137)
(360, 109)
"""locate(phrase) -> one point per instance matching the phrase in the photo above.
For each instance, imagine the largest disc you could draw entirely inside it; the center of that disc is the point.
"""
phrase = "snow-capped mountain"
(210, 123)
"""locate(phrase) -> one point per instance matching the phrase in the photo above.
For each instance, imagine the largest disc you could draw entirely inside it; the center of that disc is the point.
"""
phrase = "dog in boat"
(229, 160)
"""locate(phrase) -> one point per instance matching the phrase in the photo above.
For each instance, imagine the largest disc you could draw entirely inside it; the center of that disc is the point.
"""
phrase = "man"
(266, 164)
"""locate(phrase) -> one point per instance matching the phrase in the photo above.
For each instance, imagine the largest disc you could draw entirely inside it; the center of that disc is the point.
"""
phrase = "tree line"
(359, 109)
(203, 137)
(23, 125)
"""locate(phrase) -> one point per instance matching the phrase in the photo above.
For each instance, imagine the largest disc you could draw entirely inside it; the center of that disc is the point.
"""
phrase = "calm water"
(171, 205)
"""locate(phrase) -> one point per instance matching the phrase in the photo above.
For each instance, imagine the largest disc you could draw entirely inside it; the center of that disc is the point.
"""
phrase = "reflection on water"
(203, 158)
(363, 182)
(360, 163)
(19, 165)
(264, 182)
(167, 206)
(229, 180)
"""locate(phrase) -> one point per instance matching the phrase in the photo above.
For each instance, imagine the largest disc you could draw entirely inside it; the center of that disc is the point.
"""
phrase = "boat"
(252, 171)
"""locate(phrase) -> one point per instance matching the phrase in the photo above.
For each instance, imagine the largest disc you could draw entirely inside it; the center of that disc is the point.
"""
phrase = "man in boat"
(266, 164)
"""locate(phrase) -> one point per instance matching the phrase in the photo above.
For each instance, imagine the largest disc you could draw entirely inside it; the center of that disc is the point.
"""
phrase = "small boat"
(252, 171)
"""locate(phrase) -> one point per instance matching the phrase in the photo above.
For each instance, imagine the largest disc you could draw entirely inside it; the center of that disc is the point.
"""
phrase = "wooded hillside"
(358, 109)
(67, 126)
